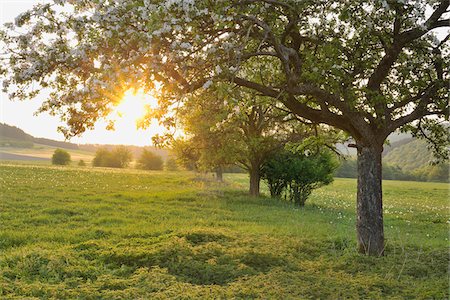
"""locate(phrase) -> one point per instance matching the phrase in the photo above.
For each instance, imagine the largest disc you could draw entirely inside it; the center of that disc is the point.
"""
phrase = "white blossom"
(207, 84)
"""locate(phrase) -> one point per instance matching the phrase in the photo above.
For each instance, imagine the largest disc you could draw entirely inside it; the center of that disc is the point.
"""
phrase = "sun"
(135, 105)
(126, 117)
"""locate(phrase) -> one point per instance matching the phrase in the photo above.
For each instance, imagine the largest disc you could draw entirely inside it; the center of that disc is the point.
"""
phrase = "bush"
(102, 156)
(150, 161)
(60, 157)
(295, 174)
(81, 163)
(120, 157)
(171, 164)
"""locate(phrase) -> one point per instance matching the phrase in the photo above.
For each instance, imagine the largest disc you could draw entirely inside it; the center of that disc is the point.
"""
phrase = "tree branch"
(384, 66)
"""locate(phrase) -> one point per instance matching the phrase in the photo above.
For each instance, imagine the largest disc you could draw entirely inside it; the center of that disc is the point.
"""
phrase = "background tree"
(367, 68)
(186, 153)
(215, 149)
(101, 158)
(60, 157)
(119, 157)
(170, 164)
(150, 161)
(82, 163)
(227, 129)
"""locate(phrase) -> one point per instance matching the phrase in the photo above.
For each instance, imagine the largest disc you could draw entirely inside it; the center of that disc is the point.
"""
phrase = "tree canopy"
(367, 68)
(150, 161)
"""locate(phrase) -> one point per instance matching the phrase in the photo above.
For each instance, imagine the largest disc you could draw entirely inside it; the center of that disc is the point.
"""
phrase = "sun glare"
(135, 106)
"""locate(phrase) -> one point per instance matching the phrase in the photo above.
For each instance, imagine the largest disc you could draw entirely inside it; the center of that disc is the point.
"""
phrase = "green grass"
(74, 233)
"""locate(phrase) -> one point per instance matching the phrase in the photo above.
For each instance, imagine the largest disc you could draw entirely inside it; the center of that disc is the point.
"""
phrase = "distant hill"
(404, 158)
(409, 155)
(16, 144)
(11, 136)
(394, 140)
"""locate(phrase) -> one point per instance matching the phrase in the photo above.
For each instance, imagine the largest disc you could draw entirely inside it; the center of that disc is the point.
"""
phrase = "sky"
(22, 113)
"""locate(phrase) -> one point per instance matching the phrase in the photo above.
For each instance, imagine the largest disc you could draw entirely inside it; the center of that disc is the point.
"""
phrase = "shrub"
(81, 163)
(120, 157)
(60, 157)
(297, 173)
(171, 164)
(150, 161)
(101, 157)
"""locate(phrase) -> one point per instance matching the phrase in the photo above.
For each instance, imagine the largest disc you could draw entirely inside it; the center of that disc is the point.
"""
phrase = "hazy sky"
(21, 114)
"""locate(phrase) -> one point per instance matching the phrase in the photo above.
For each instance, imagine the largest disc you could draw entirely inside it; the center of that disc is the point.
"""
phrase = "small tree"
(60, 157)
(120, 157)
(171, 164)
(150, 161)
(81, 163)
(102, 156)
(296, 173)
(186, 153)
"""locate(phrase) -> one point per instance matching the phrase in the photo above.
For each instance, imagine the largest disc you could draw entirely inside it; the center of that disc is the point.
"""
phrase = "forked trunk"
(255, 178)
(369, 224)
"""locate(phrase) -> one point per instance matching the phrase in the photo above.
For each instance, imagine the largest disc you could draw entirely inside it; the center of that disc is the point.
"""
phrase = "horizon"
(80, 144)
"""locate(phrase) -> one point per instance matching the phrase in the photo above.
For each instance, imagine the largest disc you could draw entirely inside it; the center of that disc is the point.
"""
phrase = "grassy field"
(126, 234)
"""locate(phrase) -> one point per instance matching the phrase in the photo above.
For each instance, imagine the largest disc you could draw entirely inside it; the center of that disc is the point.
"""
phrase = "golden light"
(135, 105)
(131, 109)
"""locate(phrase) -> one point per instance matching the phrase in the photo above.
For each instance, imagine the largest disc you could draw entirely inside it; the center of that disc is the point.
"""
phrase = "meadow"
(83, 233)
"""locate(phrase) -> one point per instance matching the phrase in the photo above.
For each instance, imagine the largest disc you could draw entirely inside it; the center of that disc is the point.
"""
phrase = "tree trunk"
(219, 174)
(255, 178)
(369, 224)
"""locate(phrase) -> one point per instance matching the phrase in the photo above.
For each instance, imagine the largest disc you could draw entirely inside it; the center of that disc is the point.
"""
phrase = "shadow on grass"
(198, 258)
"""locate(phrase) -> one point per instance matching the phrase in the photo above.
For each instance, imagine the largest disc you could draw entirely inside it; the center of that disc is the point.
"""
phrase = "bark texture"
(369, 223)
(255, 178)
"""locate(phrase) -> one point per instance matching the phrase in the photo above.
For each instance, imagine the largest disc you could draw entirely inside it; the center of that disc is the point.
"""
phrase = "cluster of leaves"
(150, 161)
(61, 157)
(119, 157)
(294, 173)
(205, 147)
(186, 153)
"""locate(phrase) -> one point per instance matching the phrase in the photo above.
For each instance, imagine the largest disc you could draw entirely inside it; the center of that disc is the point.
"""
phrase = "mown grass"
(128, 234)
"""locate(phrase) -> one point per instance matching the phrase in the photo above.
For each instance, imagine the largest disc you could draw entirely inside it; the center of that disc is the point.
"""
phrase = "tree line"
(119, 157)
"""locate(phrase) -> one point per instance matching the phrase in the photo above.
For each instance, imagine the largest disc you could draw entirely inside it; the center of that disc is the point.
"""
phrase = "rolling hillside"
(409, 156)
(405, 158)
(15, 144)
